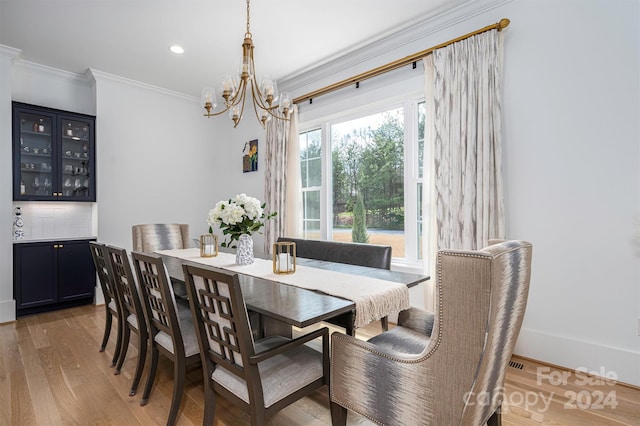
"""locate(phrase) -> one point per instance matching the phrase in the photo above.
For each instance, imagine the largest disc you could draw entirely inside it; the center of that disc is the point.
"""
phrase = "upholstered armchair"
(148, 238)
(445, 368)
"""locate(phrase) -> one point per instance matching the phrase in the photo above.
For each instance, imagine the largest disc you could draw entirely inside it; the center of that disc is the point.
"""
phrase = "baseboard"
(519, 361)
(99, 298)
(7, 311)
(574, 354)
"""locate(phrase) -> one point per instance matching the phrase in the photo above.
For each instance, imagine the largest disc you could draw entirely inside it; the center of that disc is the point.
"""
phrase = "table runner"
(374, 298)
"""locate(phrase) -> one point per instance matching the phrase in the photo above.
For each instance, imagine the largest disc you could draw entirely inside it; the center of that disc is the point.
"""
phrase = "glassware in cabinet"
(34, 154)
(54, 156)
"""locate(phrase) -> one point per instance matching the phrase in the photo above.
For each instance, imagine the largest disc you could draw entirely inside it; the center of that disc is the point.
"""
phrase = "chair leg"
(150, 378)
(349, 330)
(126, 335)
(338, 415)
(257, 416)
(496, 418)
(116, 352)
(142, 357)
(384, 321)
(107, 330)
(178, 386)
(209, 404)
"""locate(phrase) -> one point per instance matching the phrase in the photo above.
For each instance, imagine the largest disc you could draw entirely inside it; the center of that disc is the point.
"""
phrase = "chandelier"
(234, 90)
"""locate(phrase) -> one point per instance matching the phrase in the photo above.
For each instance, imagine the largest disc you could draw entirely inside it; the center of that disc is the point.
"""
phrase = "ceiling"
(131, 38)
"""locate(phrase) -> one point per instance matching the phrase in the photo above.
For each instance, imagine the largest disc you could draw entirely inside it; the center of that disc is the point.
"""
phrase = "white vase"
(244, 253)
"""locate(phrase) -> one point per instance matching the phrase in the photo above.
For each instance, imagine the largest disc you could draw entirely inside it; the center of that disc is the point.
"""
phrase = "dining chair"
(133, 318)
(111, 299)
(160, 236)
(442, 368)
(171, 328)
(260, 377)
(369, 255)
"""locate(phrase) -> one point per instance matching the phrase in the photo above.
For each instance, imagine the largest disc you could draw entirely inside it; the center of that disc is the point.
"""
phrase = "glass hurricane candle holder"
(284, 258)
(208, 245)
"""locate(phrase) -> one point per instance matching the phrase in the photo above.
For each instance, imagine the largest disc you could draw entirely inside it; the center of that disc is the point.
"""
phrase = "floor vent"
(514, 364)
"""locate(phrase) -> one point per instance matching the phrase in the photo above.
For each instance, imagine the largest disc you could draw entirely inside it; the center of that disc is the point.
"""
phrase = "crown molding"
(10, 52)
(55, 72)
(419, 28)
(101, 75)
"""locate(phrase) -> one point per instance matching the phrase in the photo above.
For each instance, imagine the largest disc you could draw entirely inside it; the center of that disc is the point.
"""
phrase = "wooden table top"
(290, 304)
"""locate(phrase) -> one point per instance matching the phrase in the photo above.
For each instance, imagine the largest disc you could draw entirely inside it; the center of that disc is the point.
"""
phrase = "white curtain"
(280, 190)
(274, 179)
(293, 208)
(429, 236)
(464, 102)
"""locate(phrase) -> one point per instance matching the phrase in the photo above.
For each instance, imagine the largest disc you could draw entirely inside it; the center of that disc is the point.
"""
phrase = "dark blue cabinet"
(53, 154)
(52, 275)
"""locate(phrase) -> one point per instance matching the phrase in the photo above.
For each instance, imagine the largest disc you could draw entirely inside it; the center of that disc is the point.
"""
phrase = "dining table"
(275, 306)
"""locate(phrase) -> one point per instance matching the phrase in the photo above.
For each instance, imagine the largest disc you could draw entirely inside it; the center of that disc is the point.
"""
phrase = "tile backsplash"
(52, 220)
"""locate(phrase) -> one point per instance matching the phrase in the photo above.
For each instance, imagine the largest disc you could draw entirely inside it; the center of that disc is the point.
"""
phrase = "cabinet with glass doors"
(53, 154)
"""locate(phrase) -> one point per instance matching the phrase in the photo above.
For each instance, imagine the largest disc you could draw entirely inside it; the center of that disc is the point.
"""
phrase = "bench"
(371, 255)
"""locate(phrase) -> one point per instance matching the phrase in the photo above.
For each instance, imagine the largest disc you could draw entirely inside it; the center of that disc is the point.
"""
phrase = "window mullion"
(410, 190)
(326, 197)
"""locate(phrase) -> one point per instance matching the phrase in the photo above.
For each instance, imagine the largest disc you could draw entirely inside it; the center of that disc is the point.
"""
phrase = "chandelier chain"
(248, 17)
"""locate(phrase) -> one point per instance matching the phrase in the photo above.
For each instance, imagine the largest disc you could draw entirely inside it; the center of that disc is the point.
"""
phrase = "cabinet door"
(34, 275)
(34, 160)
(76, 158)
(53, 154)
(76, 273)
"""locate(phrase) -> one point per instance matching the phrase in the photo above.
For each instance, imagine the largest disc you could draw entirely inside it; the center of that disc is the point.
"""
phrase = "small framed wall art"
(250, 156)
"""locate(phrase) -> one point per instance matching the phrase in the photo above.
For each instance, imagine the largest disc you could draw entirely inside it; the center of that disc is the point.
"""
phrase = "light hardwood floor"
(51, 373)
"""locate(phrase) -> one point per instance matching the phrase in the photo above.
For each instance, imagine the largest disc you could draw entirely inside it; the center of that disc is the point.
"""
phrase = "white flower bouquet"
(239, 215)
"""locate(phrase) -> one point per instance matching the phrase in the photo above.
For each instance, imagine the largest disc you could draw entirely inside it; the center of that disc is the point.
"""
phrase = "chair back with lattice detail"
(156, 294)
(98, 253)
(125, 283)
(221, 317)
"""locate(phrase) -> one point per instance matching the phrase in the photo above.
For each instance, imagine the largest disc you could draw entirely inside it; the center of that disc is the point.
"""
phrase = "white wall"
(572, 103)
(45, 86)
(228, 144)
(151, 159)
(160, 161)
(571, 165)
(7, 302)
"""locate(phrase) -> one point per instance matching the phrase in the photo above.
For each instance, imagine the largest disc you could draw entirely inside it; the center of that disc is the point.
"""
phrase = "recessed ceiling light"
(176, 49)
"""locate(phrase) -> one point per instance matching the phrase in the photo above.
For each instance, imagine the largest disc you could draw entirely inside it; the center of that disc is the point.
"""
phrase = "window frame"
(409, 103)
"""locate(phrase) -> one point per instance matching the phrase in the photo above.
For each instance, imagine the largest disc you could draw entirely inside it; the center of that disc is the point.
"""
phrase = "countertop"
(44, 240)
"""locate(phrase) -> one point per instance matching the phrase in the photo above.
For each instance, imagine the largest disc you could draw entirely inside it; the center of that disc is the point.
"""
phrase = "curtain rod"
(504, 23)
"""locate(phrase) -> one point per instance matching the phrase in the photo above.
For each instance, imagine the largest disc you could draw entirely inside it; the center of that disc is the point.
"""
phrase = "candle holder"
(208, 245)
(284, 258)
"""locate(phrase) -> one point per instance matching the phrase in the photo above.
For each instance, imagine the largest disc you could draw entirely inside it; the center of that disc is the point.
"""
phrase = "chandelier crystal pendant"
(234, 90)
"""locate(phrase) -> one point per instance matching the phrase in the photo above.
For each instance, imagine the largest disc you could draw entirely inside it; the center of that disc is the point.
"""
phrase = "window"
(362, 179)
(311, 173)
